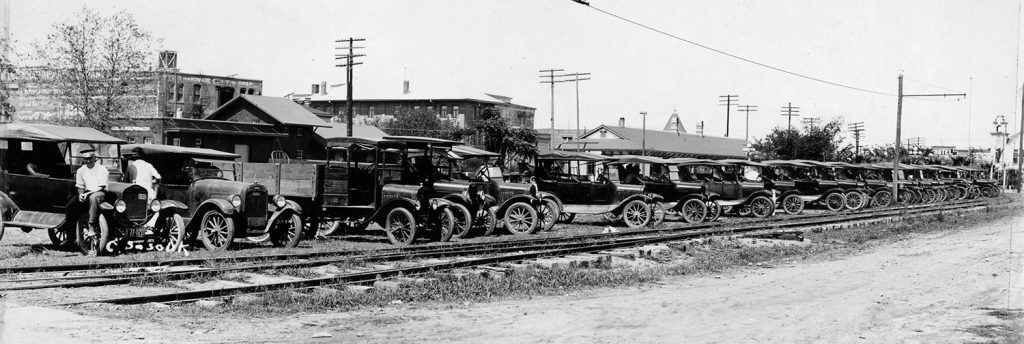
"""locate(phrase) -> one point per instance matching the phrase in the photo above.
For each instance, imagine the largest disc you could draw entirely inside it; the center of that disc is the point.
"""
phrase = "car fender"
(764, 193)
(547, 195)
(393, 203)
(834, 190)
(714, 196)
(460, 198)
(289, 205)
(282, 212)
(500, 213)
(7, 206)
(222, 205)
(173, 206)
(641, 197)
(790, 192)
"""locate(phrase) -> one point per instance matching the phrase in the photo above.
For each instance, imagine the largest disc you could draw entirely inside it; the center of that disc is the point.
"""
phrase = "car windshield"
(107, 153)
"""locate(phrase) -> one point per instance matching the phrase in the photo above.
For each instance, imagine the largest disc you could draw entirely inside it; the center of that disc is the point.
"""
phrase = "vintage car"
(787, 197)
(220, 209)
(910, 189)
(474, 165)
(987, 186)
(389, 181)
(731, 192)
(849, 177)
(878, 182)
(561, 173)
(958, 176)
(687, 199)
(37, 191)
(811, 187)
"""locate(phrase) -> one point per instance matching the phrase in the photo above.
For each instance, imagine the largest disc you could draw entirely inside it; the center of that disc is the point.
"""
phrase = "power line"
(856, 128)
(790, 111)
(747, 109)
(551, 80)
(733, 55)
(348, 63)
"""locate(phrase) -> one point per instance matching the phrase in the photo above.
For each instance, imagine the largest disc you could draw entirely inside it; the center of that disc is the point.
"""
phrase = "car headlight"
(120, 206)
(434, 204)
(154, 206)
(280, 201)
(533, 190)
(236, 200)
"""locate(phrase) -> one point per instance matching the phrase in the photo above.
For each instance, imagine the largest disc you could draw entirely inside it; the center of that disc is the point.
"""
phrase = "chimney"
(622, 122)
(323, 88)
(405, 87)
(314, 89)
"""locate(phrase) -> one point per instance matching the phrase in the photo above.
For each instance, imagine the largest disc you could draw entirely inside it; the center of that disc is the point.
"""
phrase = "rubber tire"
(99, 243)
(229, 225)
(856, 195)
(657, 215)
(831, 200)
(175, 242)
(640, 219)
(328, 228)
(444, 226)
(764, 203)
(487, 220)
(564, 217)
(693, 211)
(60, 237)
(527, 213)
(464, 226)
(2, 227)
(550, 213)
(714, 212)
(792, 205)
(279, 239)
(877, 199)
(390, 222)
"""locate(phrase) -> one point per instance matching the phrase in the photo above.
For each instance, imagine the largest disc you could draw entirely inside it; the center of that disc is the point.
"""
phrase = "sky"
(499, 47)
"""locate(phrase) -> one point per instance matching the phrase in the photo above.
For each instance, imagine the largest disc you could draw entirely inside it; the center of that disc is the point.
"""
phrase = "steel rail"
(592, 247)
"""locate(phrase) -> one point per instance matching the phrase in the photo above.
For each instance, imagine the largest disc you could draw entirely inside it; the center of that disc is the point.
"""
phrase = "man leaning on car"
(91, 181)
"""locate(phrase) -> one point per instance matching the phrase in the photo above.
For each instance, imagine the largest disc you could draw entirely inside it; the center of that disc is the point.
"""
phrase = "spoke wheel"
(854, 200)
(486, 220)
(636, 214)
(565, 217)
(549, 214)
(174, 225)
(882, 199)
(287, 231)
(400, 227)
(612, 217)
(835, 201)
(217, 231)
(463, 221)
(762, 207)
(521, 218)
(792, 205)
(1, 224)
(96, 244)
(328, 228)
(657, 214)
(444, 227)
(59, 237)
(714, 211)
(693, 211)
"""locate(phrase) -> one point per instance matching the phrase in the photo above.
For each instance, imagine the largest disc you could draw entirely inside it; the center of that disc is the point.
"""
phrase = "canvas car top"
(54, 133)
(157, 149)
(575, 156)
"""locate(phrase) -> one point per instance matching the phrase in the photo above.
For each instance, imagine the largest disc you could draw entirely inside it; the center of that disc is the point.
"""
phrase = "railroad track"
(434, 251)
(540, 250)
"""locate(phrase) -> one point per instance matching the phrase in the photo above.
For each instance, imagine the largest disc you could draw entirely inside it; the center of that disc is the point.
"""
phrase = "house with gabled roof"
(622, 140)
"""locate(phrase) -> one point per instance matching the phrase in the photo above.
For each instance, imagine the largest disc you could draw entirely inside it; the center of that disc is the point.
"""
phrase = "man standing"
(142, 173)
(91, 181)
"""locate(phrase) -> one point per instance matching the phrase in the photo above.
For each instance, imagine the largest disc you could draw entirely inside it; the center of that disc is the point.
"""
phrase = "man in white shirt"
(143, 173)
(91, 181)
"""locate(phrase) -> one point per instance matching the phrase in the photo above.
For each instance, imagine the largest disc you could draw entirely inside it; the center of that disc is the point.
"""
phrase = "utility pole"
(899, 128)
(747, 109)
(856, 128)
(551, 80)
(349, 62)
(790, 111)
(576, 78)
(1020, 146)
(643, 142)
(700, 128)
(1000, 121)
(728, 100)
(810, 121)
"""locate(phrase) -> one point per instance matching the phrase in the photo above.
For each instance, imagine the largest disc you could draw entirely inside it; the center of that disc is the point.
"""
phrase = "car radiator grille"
(136, 203)
(256, 208)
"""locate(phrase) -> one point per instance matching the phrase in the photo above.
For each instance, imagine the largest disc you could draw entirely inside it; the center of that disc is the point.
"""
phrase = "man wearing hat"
(91, 180)
(142, 173)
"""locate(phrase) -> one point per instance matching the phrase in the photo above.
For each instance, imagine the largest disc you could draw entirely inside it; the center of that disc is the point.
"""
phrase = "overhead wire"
(744, 59)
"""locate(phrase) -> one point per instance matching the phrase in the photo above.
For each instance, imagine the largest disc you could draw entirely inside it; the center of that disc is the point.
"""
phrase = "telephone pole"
(899, 128)
(1020, 146)
(747, 109)
(576, 78)
(856, 128)
(728, 100)
(643, 142)
(348, 63)
(790, 111)
(551, 80)
(810, 121)
(700, 128)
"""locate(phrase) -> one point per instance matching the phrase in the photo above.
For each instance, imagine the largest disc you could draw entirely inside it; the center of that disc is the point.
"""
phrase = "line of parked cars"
(414, 188)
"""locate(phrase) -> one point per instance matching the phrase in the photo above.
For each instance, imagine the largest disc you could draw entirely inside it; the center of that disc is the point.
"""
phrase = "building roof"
(157, 149)
(660, 143)
(54, 133)
(282, 110)
(412, 96)
(220, 127)
(335, 131)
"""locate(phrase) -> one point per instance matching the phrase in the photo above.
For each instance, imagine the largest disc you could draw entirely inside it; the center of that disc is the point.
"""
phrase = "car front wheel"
(217, 231)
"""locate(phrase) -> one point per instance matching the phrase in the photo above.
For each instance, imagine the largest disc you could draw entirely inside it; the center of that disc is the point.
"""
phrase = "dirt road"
(930, 288)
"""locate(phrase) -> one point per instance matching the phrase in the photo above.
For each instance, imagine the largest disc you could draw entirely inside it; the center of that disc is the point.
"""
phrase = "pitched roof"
(660, 143)
(339, 130)
(282, 110)
(368, 95)
(54, 133)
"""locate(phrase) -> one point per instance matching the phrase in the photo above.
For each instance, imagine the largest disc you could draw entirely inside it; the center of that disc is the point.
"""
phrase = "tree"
(7, 73)
(99, 67)
(498, 136)
(419, 123)
(814, 142)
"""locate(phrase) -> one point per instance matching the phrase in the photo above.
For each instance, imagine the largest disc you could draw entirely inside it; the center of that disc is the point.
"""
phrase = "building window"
(241, 91)
(199, 142)
(298, 154)
(251, 91)
(147, 140)
(566, 138)
(179, 92)
(416, 108)
(444, 111)
(604, 134)
(176, 141)
(197, 91)
(373, 112)
(170, 91)
(131, 140)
